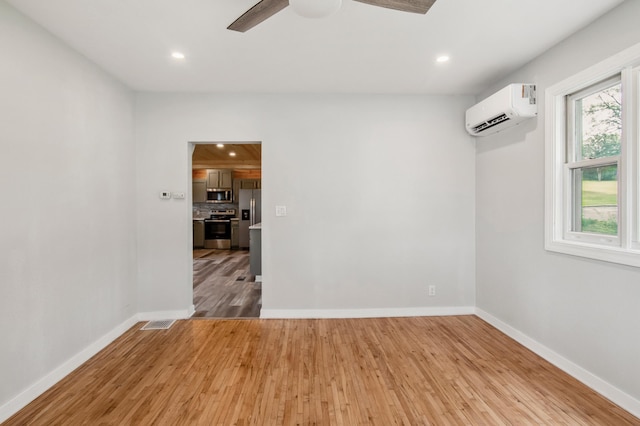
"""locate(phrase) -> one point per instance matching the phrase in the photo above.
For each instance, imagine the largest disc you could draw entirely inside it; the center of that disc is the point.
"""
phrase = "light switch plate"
(281, 210)
(165, 195)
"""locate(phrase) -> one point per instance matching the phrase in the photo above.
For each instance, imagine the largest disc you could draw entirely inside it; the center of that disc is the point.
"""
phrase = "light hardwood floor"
(386, 371)
(223, 287)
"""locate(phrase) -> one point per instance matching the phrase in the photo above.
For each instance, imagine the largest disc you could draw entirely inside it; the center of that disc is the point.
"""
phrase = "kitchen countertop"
(256, 226)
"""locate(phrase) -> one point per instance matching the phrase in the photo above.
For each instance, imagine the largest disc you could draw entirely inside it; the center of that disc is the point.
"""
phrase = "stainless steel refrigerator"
(250, 206)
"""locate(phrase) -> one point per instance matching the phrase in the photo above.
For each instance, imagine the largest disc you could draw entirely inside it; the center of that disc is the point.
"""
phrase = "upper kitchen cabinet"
(199, 191)
(249, 183)
(239, 184)
(219, 178)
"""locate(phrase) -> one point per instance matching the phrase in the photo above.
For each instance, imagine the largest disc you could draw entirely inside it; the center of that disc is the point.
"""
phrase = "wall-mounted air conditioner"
(505, 108)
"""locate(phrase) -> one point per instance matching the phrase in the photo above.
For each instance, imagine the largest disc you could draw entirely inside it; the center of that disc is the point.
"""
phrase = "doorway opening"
(226, 194)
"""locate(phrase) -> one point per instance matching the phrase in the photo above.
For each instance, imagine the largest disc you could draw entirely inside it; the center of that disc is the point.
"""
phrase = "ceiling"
(247, 156)
(359, 49)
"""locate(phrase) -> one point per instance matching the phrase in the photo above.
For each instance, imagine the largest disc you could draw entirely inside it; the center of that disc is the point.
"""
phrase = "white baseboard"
(366, 313)
(607, 390)
(38, 388)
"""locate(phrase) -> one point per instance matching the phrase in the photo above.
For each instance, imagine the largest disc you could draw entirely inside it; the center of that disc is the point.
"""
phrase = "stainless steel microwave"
(215, 195)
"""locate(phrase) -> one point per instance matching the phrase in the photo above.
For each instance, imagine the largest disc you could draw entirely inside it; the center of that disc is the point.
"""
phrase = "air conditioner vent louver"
(490, 123)
(505, 108)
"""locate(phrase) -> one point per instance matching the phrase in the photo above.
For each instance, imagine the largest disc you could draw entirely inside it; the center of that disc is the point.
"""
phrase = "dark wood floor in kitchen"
(223, 287)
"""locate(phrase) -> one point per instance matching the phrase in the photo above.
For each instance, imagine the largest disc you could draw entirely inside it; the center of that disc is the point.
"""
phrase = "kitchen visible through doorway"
(226, 194)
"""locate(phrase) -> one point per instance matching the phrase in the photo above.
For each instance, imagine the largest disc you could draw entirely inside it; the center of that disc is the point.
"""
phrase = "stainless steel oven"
(217, 230)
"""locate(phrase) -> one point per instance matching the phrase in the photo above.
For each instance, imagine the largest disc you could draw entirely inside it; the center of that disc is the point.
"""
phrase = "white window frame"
(634, 128)
(623, 248)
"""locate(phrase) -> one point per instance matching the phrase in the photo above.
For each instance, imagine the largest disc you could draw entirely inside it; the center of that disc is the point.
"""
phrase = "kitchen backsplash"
(201, 210)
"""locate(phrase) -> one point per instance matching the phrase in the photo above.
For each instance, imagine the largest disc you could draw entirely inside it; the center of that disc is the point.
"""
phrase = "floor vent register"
(158, 325)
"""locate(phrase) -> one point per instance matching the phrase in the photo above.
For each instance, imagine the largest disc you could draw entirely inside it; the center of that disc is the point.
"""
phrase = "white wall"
(586, 311)
(67, 246)
(379, 192)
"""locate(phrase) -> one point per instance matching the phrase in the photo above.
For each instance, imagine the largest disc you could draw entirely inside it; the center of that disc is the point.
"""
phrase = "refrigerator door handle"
(253, 211)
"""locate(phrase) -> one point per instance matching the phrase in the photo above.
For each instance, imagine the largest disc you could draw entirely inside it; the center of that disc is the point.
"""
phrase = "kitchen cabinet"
(235, 233)
(198, 233)
(249, 183)
(255, 250)
(219, 178)
(239, 184)
(199, 191)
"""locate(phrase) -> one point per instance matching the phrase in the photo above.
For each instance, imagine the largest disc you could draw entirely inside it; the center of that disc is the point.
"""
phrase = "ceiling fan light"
(315, 8)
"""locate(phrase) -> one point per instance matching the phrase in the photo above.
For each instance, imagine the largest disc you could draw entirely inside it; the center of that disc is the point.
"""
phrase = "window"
(594, 133)
(592, 153)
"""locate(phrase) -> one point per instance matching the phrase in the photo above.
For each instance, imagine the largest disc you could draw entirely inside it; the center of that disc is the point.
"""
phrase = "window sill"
(629, 257)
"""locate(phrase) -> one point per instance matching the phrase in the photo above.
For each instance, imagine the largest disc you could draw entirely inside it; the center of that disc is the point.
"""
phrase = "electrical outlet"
(178, 195)
(432, 290)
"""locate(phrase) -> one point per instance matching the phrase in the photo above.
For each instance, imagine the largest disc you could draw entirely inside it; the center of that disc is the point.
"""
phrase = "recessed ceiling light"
(232, 154)
(220, 145)
(177, 55)
(442, 59)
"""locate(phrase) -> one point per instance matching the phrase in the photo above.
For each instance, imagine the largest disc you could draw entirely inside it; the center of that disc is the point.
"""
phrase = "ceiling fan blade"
(258, 13)
(414, 6)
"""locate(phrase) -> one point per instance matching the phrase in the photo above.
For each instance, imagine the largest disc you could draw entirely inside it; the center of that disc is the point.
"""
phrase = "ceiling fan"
(265, 9)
